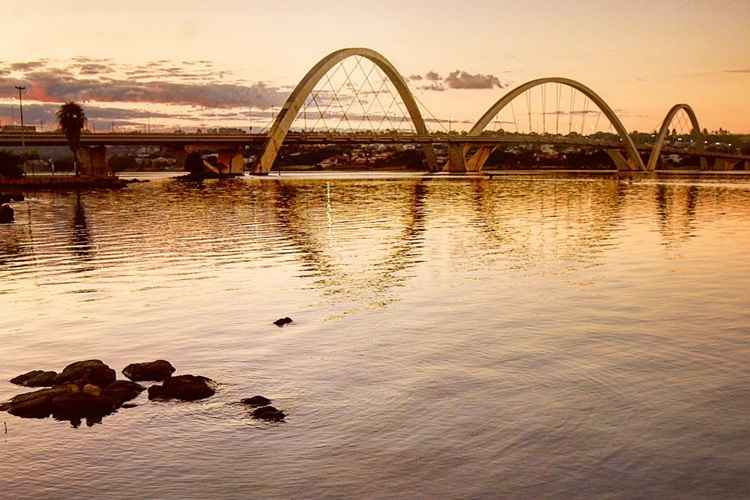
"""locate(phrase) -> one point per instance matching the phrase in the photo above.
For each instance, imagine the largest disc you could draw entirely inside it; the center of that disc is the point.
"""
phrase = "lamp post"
(20, 105)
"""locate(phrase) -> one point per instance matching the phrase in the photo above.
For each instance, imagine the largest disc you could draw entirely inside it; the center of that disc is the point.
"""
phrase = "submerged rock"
(155, 371)
(269, 413)
(91, 371)
(257, 401)
(122, 391)
(74, 406)
(70, 402)
(184, 387)
(6, 214)
(38, 404)
(35, 378)
(282, 322)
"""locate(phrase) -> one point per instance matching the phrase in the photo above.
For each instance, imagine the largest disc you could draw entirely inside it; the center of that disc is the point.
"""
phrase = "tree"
(71, 119)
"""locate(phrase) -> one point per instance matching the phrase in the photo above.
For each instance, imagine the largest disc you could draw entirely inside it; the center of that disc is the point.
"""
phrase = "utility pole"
(20, 105)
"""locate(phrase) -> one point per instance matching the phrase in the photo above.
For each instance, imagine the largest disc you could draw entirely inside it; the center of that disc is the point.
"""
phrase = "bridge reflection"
(353, 242)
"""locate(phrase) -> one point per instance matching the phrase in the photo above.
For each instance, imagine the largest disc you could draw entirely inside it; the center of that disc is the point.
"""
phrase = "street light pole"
(20, 105)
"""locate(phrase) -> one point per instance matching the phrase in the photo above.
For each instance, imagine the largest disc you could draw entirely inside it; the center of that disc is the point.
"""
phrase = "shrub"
(10, 165)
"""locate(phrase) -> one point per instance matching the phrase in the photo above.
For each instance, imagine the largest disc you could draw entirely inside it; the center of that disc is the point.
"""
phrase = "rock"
(269, 413)
(38, 404)
(35, 378)
(282, 322)
(92, 390)
(81, 405)
(256, 401)
(6, 214)
(122, 391)
(155, 371)
(184, 387)
(87, 372)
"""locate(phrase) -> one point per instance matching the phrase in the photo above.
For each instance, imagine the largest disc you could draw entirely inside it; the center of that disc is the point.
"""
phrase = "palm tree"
(71, 118)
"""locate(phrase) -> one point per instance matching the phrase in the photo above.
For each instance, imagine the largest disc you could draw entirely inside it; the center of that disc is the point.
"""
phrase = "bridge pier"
(724, 165)
(623, 164)
(233, 160)
(93, 161)
(477, 161)
(180, 155)
(456, 158)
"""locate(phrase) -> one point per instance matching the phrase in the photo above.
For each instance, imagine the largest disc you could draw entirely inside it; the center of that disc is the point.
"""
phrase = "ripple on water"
(550, 337)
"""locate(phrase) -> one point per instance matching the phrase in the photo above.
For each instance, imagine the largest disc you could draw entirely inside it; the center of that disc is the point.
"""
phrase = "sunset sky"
(165, 59)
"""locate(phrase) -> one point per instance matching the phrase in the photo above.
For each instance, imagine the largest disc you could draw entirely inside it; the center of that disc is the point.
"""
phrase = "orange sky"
(641, 56)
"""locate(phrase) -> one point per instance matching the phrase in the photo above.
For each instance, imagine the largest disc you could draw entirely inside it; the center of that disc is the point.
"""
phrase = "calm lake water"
(524, 337)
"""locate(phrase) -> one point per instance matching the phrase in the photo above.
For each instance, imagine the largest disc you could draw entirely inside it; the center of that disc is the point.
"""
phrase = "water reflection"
(81, 240)
(354, 239)
(551, 329)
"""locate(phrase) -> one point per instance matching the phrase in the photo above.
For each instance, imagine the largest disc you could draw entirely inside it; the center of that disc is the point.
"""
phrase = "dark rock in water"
(73, 403)
(257, 401)
(81, 405)
(35, 378)
(6, 214)
(87, 372)
(282, 322)
(269, 413)
(154, 371)
(122, 391)
(38, 404)
(184, 387)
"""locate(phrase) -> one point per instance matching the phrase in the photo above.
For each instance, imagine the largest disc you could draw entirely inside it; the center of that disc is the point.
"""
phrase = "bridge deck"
(234, 140)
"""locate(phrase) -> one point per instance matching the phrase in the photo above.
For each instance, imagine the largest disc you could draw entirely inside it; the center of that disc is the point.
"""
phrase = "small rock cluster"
(263, 409)
(89, 389)
(84, 389)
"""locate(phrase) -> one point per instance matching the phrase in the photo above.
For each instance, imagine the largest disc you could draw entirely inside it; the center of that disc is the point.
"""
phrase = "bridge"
(319, 100)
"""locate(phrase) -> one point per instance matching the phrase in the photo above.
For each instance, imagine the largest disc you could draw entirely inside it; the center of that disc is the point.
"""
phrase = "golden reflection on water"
(452, 337)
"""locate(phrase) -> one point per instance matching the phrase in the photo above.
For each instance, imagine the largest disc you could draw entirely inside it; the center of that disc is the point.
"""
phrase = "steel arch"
(664, 131)
(297, 99)
(634, 158)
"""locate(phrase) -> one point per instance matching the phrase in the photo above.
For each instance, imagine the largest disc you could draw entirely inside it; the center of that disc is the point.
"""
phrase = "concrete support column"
(93, 161)
(456, 158)
(233, 160)
(723, 164)
(620, 161)
(477, 161)
(180, 155)
(429, 158)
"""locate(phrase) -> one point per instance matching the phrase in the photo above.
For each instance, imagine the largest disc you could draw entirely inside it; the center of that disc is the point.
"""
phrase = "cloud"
(745, 70)
(59, 86)
(457, 80)
(28, 66)
(436, 87)
(432, 76)
(463, 80)
(90, 69)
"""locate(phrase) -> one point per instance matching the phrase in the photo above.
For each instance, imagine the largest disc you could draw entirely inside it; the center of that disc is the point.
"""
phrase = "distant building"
(226, 131)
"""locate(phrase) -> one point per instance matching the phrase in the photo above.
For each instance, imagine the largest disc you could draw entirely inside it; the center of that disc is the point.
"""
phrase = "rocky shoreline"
(89, 390)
